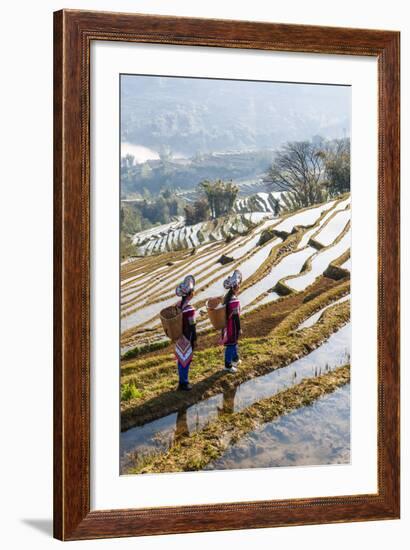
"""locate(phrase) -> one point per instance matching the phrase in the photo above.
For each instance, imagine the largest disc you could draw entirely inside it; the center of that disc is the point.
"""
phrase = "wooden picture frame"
(74, 32)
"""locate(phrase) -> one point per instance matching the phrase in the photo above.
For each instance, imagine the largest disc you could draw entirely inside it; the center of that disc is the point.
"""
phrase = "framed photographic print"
(226, 330)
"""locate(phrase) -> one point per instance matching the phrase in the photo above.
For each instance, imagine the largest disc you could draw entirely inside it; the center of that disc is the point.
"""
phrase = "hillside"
(263, 267)
(295, 300)
(185, 175)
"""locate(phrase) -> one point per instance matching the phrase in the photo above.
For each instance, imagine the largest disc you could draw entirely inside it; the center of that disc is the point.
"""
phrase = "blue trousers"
(183, 373)
(231, 354)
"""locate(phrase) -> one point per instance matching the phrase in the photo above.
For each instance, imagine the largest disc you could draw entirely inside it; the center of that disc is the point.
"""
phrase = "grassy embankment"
(258, 322)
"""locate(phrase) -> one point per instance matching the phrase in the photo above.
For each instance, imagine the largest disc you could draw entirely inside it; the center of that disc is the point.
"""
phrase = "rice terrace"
(270, 220)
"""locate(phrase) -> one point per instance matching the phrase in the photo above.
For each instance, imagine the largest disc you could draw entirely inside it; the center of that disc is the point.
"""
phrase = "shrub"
(139, 350)
(196, 212)
(129, 391)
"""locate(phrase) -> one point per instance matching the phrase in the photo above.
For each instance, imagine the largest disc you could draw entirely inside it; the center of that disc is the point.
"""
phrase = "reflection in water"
(145, 440)
(228, 404)
(330, 355)
(288, 265)
(158, 435)
(313, 435)
(181, 428)
(310, 321)
(319, 263)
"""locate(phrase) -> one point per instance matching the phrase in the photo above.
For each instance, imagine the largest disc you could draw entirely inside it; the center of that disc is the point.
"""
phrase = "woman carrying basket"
(185, 345)
(232, 330)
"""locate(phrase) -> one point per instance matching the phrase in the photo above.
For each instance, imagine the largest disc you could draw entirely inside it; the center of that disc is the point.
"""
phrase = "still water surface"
(158, 435)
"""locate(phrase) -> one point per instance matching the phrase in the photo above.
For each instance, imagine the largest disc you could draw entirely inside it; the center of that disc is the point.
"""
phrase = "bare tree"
(298, 171)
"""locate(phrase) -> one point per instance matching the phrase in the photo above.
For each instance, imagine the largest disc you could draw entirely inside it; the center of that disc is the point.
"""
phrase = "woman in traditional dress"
(185, 345)
(232, 330)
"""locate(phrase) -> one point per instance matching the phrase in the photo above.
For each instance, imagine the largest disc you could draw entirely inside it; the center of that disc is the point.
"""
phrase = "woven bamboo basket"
(171, 319)
(216, 312)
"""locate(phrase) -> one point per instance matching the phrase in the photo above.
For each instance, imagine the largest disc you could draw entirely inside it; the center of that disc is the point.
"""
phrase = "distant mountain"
(191, 116)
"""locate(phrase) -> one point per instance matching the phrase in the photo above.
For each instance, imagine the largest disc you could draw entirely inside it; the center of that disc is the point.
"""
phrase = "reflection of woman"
(185, 345)
(232, 330)
(181, 427)
(228, 403)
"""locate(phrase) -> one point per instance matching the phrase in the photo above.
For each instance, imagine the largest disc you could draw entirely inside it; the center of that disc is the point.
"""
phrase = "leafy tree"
(276, 208)
(174, 205)
(190, 215)
(337, 167)
(220, 195)
(127, 161)
(142, 214)
(156, 211)
(165, 154)
(126, 247)
(196, 212)
(146, 171)
(146, 194)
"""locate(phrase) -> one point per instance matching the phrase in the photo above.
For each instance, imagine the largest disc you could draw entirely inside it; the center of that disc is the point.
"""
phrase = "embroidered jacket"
(188, 322)
(233, 325)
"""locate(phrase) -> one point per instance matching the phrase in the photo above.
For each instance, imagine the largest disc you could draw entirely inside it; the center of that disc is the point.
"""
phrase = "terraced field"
(259, 202)
(250, 210)
(295, 345)
(177, 236)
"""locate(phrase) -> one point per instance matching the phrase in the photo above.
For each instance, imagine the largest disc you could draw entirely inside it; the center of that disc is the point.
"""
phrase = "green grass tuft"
(130, 391)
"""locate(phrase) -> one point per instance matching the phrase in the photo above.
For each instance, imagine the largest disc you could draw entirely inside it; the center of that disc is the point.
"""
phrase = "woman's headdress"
(234, 280)
(186, 287)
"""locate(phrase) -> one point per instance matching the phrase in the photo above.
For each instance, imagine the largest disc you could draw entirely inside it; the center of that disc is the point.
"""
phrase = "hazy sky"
(208, 114)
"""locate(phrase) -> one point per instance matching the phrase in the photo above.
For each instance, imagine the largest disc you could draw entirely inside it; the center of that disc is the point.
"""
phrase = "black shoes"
(185, 387)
